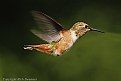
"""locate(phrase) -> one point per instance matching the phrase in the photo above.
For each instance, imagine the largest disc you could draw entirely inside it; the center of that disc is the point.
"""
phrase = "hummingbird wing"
(48, 28)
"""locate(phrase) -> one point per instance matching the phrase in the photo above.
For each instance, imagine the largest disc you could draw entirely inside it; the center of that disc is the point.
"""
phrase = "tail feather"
(41, 47)
(28, 47)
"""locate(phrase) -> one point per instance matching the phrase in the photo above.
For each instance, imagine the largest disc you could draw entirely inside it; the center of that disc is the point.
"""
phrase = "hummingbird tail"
(42, 47)
(33, 47)
(28, 47)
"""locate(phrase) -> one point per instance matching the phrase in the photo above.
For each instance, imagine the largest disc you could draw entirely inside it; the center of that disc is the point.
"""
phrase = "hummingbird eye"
(86, 26)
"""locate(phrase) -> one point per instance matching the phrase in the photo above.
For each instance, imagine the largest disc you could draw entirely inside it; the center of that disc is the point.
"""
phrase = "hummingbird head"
(83, 27)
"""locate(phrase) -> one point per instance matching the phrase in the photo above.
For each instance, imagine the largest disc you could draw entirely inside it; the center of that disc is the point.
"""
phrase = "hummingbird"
(58, 39)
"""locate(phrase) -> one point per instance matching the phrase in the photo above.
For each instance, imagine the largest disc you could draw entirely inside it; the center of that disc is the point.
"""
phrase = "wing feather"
(48, 28)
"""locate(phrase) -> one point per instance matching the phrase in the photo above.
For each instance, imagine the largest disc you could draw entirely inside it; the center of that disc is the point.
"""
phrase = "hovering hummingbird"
(59, 39)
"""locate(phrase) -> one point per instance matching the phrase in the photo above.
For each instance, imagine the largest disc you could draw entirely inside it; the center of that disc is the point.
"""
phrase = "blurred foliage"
(95, 57)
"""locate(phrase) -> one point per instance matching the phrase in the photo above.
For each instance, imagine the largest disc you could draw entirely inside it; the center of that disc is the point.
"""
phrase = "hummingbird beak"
(93, 29)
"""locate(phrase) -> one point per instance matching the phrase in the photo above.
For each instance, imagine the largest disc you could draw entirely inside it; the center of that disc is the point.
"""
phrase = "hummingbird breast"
(65, 42)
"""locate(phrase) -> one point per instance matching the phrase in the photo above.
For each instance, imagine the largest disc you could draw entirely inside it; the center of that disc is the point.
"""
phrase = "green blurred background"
(95, 57)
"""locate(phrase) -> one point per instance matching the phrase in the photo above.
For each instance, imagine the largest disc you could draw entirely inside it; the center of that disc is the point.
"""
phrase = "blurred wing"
(48, 28)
